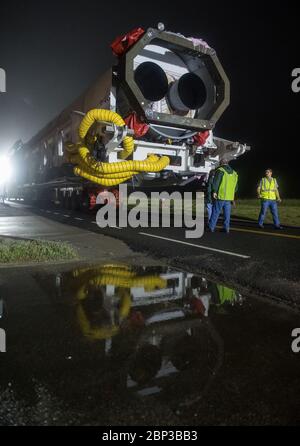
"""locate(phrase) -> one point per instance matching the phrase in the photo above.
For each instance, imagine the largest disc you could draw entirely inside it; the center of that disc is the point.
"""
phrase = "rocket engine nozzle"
(151, 80)
(172, 81)
(187, 93)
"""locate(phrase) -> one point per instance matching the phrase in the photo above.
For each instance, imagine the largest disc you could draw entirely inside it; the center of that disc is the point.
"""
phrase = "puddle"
(114, 343)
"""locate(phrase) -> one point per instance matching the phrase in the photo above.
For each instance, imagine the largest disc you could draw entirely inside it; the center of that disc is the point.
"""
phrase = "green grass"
(20, 251)
(289, 211)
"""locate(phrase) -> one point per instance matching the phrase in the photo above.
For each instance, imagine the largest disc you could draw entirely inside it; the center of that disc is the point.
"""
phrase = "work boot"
(226, 231)
(278, 227)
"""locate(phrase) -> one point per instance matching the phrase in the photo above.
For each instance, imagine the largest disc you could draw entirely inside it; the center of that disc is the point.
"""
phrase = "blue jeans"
(217, 208)
(209, 208)
(265, 204)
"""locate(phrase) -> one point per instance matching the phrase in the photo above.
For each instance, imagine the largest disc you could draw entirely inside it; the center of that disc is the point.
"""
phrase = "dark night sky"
(52, 51)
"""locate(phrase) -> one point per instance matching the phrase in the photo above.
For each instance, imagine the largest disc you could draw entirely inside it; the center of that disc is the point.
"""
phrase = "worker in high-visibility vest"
(224, 188)
(208, 194)
(268, 193)
(226, 294)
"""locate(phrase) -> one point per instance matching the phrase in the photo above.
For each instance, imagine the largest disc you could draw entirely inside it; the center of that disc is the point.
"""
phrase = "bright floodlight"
(5, 168)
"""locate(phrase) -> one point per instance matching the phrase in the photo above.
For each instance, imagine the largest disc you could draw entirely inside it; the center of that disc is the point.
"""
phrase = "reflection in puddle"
(112, 297)
(101, 342)
(163, 313)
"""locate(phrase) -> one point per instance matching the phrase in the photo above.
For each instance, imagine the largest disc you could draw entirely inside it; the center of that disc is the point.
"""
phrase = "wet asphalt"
(135, 343)
(131, 345)
(264, 261)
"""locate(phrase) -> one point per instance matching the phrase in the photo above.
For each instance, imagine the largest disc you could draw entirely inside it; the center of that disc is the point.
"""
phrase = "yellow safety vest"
(268, 189)
(228, 185)
(226, 294)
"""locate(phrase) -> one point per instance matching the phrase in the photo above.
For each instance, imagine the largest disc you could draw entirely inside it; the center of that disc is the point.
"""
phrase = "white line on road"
(197, 246)
(56, 213)
(109, 227)
(65, 215)
(78, 218)
(49, 212)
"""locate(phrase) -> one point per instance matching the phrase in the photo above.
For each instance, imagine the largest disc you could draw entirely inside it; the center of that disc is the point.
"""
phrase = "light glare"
(5, 169)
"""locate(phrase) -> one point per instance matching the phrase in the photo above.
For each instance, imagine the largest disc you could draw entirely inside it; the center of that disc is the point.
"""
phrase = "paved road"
(267, 260)
(180, 353)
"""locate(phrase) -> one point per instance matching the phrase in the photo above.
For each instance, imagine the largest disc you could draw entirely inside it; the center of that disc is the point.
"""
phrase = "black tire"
(75, 202)
(61, 200)
(84, 202)
(68, 202)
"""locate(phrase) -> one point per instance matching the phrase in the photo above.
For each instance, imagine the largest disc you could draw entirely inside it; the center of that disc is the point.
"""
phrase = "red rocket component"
(103, 196)
(121, 43)
(201, 137)
(136, 319)
(139, 128)
(197, 306)
(92, 199)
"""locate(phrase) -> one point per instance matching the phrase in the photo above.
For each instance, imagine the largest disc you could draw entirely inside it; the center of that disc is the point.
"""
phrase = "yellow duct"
(96, 115)
(148, 282)
(109, 174)
(123, 278)
(94, 333)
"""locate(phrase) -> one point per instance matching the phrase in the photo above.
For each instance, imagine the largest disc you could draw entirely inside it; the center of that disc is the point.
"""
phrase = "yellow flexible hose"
(94, 333)
(109, 174)
(103, 181)
(98, 115)
(110, 268)
(148, 282)
(122, 278)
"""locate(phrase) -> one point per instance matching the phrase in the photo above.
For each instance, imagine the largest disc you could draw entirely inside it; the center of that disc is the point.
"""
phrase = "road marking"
(109, 227)
(65, 215)
(77, 218)
(262, 232)
(49, 212)
(196, 246)
(56, 213)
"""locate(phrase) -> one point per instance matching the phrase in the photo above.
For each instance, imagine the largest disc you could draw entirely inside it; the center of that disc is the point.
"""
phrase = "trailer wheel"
(75, 202)
(84, 202)
(68, 202)
(61, 200)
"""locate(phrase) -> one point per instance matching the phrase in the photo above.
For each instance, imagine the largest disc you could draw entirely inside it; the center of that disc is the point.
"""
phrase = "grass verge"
(289, 211)
(20, 251)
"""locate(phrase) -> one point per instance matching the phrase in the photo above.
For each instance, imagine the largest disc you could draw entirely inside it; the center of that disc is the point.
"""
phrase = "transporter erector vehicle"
(147, 122)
